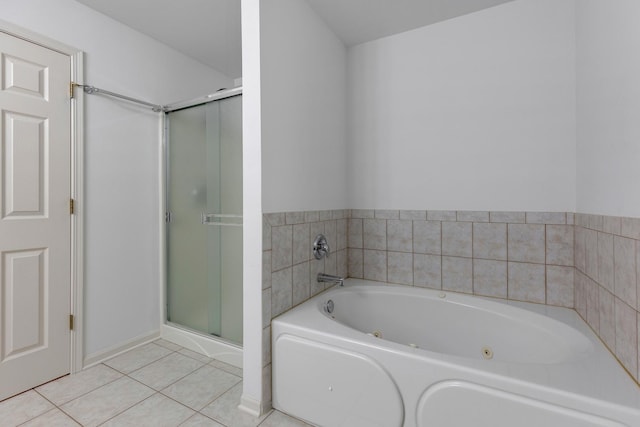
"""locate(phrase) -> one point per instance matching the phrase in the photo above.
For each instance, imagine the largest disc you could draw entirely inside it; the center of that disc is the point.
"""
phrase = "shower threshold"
(207, 344)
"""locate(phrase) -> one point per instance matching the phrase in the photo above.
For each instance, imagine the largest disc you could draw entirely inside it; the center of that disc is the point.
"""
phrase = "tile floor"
(159, 384)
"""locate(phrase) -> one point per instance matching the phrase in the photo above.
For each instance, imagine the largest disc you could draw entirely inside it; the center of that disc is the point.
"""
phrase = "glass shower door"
(204, 212)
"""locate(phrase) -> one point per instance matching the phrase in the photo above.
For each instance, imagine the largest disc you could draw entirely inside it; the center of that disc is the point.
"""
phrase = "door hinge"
(71, 322)
(72, 206)
(72, 86)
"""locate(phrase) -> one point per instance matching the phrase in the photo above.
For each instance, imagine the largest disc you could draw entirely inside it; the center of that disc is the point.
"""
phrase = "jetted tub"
(372, 354)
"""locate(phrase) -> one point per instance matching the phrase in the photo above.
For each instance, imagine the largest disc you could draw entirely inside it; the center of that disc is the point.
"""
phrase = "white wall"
(608, 81)
(476, 113)
(122, 144)
(303, 72)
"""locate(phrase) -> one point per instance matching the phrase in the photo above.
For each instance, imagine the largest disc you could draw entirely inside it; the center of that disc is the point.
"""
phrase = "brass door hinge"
(72, 206)
(71, 322)
(72, 86)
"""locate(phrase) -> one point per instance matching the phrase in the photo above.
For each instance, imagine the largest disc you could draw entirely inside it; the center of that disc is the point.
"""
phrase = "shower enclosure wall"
(204, 226)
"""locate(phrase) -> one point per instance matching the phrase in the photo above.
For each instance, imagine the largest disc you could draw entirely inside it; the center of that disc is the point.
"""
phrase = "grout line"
(473, 277)
(546, 261)
(441, 258)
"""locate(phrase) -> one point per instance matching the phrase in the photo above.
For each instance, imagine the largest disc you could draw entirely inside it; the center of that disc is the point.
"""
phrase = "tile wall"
(607, 269)
(289, 268)
(526, 256)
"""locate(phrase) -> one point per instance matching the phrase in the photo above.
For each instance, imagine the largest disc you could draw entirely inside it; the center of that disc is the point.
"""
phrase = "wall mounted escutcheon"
(320, 247)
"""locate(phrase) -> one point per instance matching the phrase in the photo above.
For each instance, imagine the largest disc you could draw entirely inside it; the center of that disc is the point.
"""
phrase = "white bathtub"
(443, 359)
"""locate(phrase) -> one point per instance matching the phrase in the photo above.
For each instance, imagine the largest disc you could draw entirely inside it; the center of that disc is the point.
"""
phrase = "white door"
(35, 221)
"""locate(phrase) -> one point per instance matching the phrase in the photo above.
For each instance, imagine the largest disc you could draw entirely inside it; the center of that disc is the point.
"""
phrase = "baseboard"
(251, 406)
(266, 406)
(101, 356)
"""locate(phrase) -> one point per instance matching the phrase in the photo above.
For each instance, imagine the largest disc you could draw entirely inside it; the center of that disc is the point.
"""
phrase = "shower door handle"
(225, 220)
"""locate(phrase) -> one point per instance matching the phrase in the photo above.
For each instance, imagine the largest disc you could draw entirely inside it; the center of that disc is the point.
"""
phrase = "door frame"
(76, 56)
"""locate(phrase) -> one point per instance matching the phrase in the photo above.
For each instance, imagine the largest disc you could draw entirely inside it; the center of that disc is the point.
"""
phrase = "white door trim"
(77, 184)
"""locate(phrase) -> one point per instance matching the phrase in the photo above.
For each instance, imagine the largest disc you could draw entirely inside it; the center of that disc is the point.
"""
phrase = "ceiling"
(209, 30)
(359, 21)
(206, 30)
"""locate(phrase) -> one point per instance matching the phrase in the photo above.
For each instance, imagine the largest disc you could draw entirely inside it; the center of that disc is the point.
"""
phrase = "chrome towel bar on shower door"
(222, 219)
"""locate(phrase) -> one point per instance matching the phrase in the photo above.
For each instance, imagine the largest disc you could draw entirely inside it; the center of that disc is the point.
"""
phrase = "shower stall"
(203, 219)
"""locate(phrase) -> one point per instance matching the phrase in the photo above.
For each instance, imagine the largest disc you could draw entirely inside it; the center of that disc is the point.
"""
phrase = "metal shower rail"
(91, 90)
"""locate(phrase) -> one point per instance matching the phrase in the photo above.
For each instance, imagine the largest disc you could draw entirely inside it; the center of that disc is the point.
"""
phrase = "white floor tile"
(156, 411)
(200, 387)
(107, 401)
(166, 371)
(53, 418)
(195, 355)
(137, 358)
(226, 367)
(199, 420)
(68, 388)
(168, 345)
(278, 419)
(22, 408)
(225, 410)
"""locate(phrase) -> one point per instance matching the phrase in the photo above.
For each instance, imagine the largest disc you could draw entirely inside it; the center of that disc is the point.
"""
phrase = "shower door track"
(216, 96)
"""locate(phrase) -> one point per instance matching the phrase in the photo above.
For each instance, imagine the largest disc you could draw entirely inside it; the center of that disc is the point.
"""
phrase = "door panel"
(35, 222)
(24, 289)
(24, 149)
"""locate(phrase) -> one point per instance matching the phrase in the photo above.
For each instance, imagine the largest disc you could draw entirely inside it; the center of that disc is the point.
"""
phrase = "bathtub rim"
(544, 318)
(621, 392)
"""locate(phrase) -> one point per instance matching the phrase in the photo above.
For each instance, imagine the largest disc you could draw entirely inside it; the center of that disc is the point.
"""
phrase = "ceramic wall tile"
(591, 253)
(560, 286)
(356, 263)
(546, 218)
(266, 269)
(400, 268)
(624, 270)
(400, 235)
(281, 247)
(362, 213)
(441, 216)
(386, 214)
(375, 265)
(457, 239)
(472, 216)
(294, 217)
(607, 318)
(413, 215)
(301, 283)
(559, 245)
(526, 243)
(427, 237)
(490, 278)
(526, 282)
(605, 261)
(490, 241)
(457, 274)
(508, 217)
(626, 335)
(354, 233)
(427, 271)
(281, 291)
(302, 243)
(375, 234)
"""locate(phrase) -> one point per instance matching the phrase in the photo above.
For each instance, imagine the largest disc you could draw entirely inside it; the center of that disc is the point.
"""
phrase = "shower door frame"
(212, 346)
